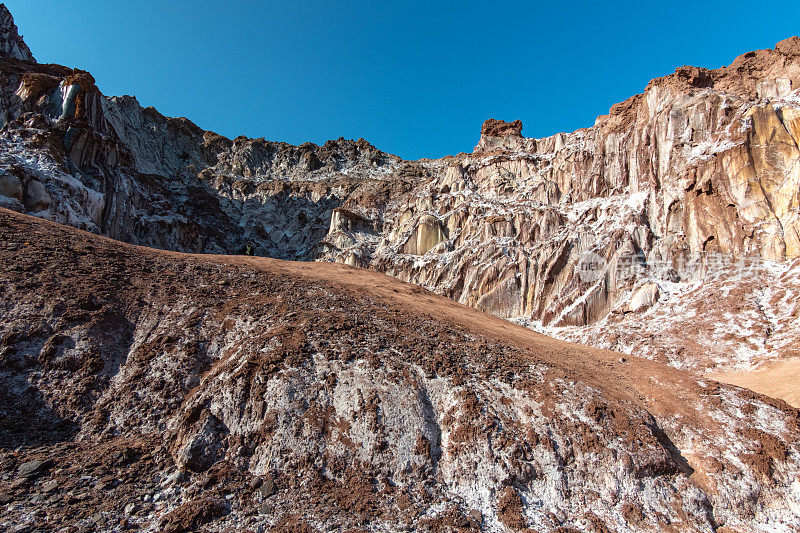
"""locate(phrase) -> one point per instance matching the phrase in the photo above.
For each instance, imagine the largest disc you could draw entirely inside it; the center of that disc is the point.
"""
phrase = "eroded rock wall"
(703, 163)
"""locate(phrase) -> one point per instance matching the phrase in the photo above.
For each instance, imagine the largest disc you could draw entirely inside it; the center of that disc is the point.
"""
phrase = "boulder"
(36, 197)
(32, 469)
(644, 298)
(11, 186)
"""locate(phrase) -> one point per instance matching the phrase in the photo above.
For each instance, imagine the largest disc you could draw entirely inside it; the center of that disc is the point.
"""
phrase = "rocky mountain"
(702, 168)
(161, 391)
(212, 391)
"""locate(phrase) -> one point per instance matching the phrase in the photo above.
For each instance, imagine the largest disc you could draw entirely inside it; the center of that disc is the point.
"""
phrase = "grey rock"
(32, 469)
(267, 488)
(50, 486)
(36, 196)
(12, 204)
(10, 186)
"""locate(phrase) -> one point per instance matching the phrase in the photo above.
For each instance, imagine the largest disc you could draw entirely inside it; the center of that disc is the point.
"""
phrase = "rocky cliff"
(11, 42)
(218, 392)
(704, 162)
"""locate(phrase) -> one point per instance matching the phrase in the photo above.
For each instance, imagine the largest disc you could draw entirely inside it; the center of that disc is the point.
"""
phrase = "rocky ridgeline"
(703, 163)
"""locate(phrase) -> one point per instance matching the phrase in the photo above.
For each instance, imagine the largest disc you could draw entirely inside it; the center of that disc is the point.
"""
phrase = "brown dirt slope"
(210, 392)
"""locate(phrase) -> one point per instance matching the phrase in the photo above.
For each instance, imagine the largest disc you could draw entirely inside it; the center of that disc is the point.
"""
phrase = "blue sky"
(414, 78)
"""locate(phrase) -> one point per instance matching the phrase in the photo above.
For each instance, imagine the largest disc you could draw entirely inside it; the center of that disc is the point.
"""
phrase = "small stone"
(122, 457)
(623, 360)
(50, 486)
(6, 498)
(265, 509)
(32, 469)
(477, 516)
(130, 509)
(19, 483)
(267, 487)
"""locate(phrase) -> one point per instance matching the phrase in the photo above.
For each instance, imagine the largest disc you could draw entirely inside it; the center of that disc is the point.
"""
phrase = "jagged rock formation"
(11, 42)
(109, 166)
(704, 163)
(171, 392)
(730, 324)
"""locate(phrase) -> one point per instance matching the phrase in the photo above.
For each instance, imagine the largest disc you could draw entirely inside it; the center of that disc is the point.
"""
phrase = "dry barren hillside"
(217, 392)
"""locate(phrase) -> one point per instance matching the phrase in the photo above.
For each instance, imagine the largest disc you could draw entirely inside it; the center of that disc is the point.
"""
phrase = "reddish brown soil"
(102, 284)
(779, 379)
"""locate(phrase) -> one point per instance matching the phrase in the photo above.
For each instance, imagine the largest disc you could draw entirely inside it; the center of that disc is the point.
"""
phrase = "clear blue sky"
(414, 78)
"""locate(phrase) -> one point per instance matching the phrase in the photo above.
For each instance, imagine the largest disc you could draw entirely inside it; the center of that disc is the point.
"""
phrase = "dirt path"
(779, 379)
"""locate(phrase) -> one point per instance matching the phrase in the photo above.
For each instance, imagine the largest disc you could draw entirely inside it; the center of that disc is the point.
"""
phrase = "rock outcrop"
(683, 171)
(11, 42)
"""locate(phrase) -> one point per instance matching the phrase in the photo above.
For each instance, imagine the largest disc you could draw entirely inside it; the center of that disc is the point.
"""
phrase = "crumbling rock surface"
(215, 392)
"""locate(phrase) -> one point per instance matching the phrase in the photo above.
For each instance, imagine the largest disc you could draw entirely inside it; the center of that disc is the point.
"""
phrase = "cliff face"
(110, 166)
(11, 42)
(703, 163)
(568, 230)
